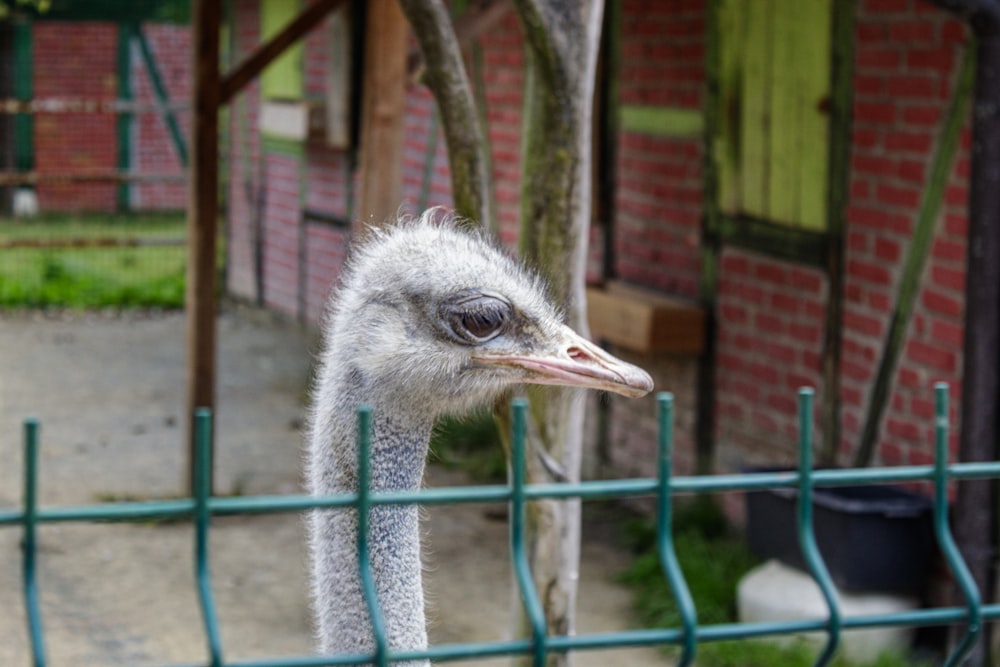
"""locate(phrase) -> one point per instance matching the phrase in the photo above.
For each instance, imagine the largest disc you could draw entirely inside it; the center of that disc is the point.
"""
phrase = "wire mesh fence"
(688, 636)
(93, 260)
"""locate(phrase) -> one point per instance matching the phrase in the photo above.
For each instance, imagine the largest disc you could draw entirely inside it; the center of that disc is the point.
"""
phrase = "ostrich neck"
(398, 454)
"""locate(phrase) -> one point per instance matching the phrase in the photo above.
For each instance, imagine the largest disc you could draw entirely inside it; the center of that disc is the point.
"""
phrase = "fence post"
(29, 544)
(807, 536)
(519, 553)
(664, 530)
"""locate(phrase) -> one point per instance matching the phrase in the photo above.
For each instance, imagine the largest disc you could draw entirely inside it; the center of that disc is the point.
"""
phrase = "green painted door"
(772, 152)
(282, 79)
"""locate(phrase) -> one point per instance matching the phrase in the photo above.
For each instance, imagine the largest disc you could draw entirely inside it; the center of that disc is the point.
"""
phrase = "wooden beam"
(202, 215)
(250, 69)
(88, 176)
(382, 110)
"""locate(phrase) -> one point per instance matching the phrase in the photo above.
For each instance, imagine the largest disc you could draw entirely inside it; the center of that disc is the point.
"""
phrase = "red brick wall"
(771, 316)
(771, 313)
(75, 60)
(295, 192)
(658, 210)
(906, 61)
(282, 217)
(659, 194)
(503, 81)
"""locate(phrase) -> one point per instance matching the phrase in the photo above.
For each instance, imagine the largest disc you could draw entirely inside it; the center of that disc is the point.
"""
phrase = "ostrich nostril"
(577, 354)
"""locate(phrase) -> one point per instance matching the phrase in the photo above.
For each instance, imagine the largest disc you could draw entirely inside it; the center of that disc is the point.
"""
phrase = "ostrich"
(429, 320)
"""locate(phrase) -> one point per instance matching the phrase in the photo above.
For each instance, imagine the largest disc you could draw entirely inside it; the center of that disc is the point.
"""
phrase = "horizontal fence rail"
(203, 506)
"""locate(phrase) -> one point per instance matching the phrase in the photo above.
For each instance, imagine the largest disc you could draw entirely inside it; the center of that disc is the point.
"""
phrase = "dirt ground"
(109, 391)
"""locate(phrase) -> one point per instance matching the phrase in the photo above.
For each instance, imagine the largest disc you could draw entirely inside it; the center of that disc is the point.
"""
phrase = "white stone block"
(777, 592)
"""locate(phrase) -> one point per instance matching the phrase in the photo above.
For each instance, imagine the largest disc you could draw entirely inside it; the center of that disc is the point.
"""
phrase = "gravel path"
(108, 389)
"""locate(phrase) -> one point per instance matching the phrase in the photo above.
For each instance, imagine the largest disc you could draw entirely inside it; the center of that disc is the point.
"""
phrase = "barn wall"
(771, 313)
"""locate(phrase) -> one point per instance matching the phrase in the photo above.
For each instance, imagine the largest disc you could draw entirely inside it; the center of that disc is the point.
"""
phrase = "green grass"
(93, 277)
(713, 560)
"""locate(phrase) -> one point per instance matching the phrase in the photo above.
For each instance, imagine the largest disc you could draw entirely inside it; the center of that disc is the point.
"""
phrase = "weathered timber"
(382, 110)
(202, 221)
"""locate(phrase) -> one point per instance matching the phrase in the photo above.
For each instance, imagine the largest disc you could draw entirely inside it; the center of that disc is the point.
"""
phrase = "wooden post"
(382, 107)
(202, 217)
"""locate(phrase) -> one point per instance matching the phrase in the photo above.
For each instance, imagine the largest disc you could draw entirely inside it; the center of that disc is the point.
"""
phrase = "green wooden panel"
(755, 117)
(24, 155)
(814, 91)
(725, 139)
(780, 194)
(282, 80)
(662, 121)
(774, 78)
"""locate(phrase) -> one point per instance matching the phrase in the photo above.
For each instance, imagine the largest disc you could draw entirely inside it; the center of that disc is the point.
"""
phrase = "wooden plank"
(88, 176)
(781, 190)
(383, 107)
(662, 121)
(725, 136)
(814, 53)
(755, 121)
(775, 239)
(838, 188)
(643, 320)
(50, 105)
(202, 215)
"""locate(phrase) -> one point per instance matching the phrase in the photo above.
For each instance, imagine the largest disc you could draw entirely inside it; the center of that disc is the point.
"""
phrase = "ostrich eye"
(477, 319)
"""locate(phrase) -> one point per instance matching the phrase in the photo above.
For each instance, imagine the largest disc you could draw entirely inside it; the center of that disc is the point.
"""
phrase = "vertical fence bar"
(29, 544)
(202, 519)
(364, 511)
(807, 537)
(519, 554)
(943, 532)
(664, 529)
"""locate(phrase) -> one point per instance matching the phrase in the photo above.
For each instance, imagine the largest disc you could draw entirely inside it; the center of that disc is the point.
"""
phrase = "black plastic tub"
(873, 538)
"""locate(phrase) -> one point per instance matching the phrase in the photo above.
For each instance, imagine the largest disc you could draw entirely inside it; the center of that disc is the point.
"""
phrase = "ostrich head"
(442, 320)
(429, 320)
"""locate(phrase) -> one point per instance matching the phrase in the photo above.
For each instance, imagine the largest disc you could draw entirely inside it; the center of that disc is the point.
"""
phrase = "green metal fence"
(203, 506)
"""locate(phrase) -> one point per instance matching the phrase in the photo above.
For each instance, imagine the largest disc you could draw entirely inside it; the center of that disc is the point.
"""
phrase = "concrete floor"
(109, 392)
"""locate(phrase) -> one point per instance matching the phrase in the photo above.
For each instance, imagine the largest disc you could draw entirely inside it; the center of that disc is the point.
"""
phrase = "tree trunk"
(562, 41)
(562, 45)
(448, 81)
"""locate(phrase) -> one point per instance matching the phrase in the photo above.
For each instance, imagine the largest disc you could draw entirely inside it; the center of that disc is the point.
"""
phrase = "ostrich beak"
(573, 361)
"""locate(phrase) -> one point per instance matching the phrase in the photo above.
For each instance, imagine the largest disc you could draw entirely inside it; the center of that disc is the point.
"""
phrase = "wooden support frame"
(202, 217)
(211, 91)
(382, 109)
(251, 68)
